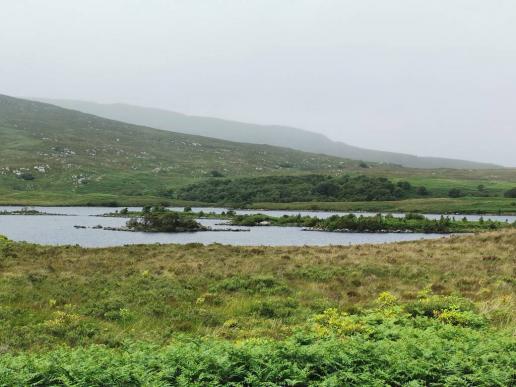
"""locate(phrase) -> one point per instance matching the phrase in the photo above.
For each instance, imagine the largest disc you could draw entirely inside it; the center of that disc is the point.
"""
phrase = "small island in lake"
(160, 219)
(164, 221)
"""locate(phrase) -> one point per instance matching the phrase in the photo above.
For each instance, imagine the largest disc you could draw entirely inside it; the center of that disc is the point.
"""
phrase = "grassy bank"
(466, 205)
(93, 199)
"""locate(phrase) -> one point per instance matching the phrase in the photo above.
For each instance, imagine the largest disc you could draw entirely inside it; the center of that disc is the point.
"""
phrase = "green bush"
(455, 193)
(258, 284)
(510, 193)
(158, 220)
(71, 327)
(430, 305)
(110, 309)
(275, 308)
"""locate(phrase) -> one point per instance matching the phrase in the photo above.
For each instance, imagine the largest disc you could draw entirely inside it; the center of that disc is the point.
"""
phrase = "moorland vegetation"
(426, 312)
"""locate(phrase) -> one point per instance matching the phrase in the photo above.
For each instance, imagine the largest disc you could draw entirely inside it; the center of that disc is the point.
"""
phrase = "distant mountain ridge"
(275, 135)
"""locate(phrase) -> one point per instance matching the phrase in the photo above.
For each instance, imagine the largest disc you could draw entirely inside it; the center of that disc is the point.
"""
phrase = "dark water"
(59, 230)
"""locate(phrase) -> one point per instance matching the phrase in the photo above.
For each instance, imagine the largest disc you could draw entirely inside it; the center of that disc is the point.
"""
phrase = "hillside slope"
(256, 134)
(48, 148)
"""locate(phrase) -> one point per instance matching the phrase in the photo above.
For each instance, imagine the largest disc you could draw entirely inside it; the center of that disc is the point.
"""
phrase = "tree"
(327, 188)
(422, 191)
(510, 193)
(404, 185)
(26, 176)
(215, 173)
(455, 193)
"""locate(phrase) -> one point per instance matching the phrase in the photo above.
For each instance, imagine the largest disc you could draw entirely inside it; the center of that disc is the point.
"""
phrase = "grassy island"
(378, 223)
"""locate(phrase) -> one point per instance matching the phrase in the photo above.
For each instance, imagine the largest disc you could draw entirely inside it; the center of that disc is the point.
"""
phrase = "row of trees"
(299, 188)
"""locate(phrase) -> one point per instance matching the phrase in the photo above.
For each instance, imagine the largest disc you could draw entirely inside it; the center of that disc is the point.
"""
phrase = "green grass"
(201, 315)
(153, 292)
(467, 205)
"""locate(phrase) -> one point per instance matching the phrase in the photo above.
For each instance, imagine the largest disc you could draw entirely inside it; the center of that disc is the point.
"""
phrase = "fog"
(433, 78)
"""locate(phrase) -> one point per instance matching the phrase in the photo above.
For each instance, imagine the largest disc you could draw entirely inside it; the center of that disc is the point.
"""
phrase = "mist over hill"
(276, 135)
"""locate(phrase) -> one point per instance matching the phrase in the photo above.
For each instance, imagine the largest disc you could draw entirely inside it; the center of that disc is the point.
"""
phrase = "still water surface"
(59, 230)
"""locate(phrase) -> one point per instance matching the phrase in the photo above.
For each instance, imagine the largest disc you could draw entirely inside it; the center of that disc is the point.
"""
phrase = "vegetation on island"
(149, 219)
(219, 315)
(158, 220)
(24, 211)
(380, 223)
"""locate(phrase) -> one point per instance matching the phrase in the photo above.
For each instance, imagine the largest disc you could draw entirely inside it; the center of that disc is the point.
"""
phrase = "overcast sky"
(433, 78)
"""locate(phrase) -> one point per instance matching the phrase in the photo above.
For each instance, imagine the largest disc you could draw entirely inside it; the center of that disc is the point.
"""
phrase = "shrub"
(286, 189)
(276, 308)
(258, 284)
(112, 309)
(4, 242)
(432, 305)
(462, 318)
(26, 176)
(404, 185)
(510, 193)
(157, 221)
(414, 216)
(455, 193)
(333, 322)
(422, 191)
(70, 327)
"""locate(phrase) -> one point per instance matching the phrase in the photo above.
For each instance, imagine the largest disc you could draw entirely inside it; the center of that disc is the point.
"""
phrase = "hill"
(283, 136)
(52, 149)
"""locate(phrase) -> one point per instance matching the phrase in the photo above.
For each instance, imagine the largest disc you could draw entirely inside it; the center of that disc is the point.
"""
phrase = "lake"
(59, 230)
